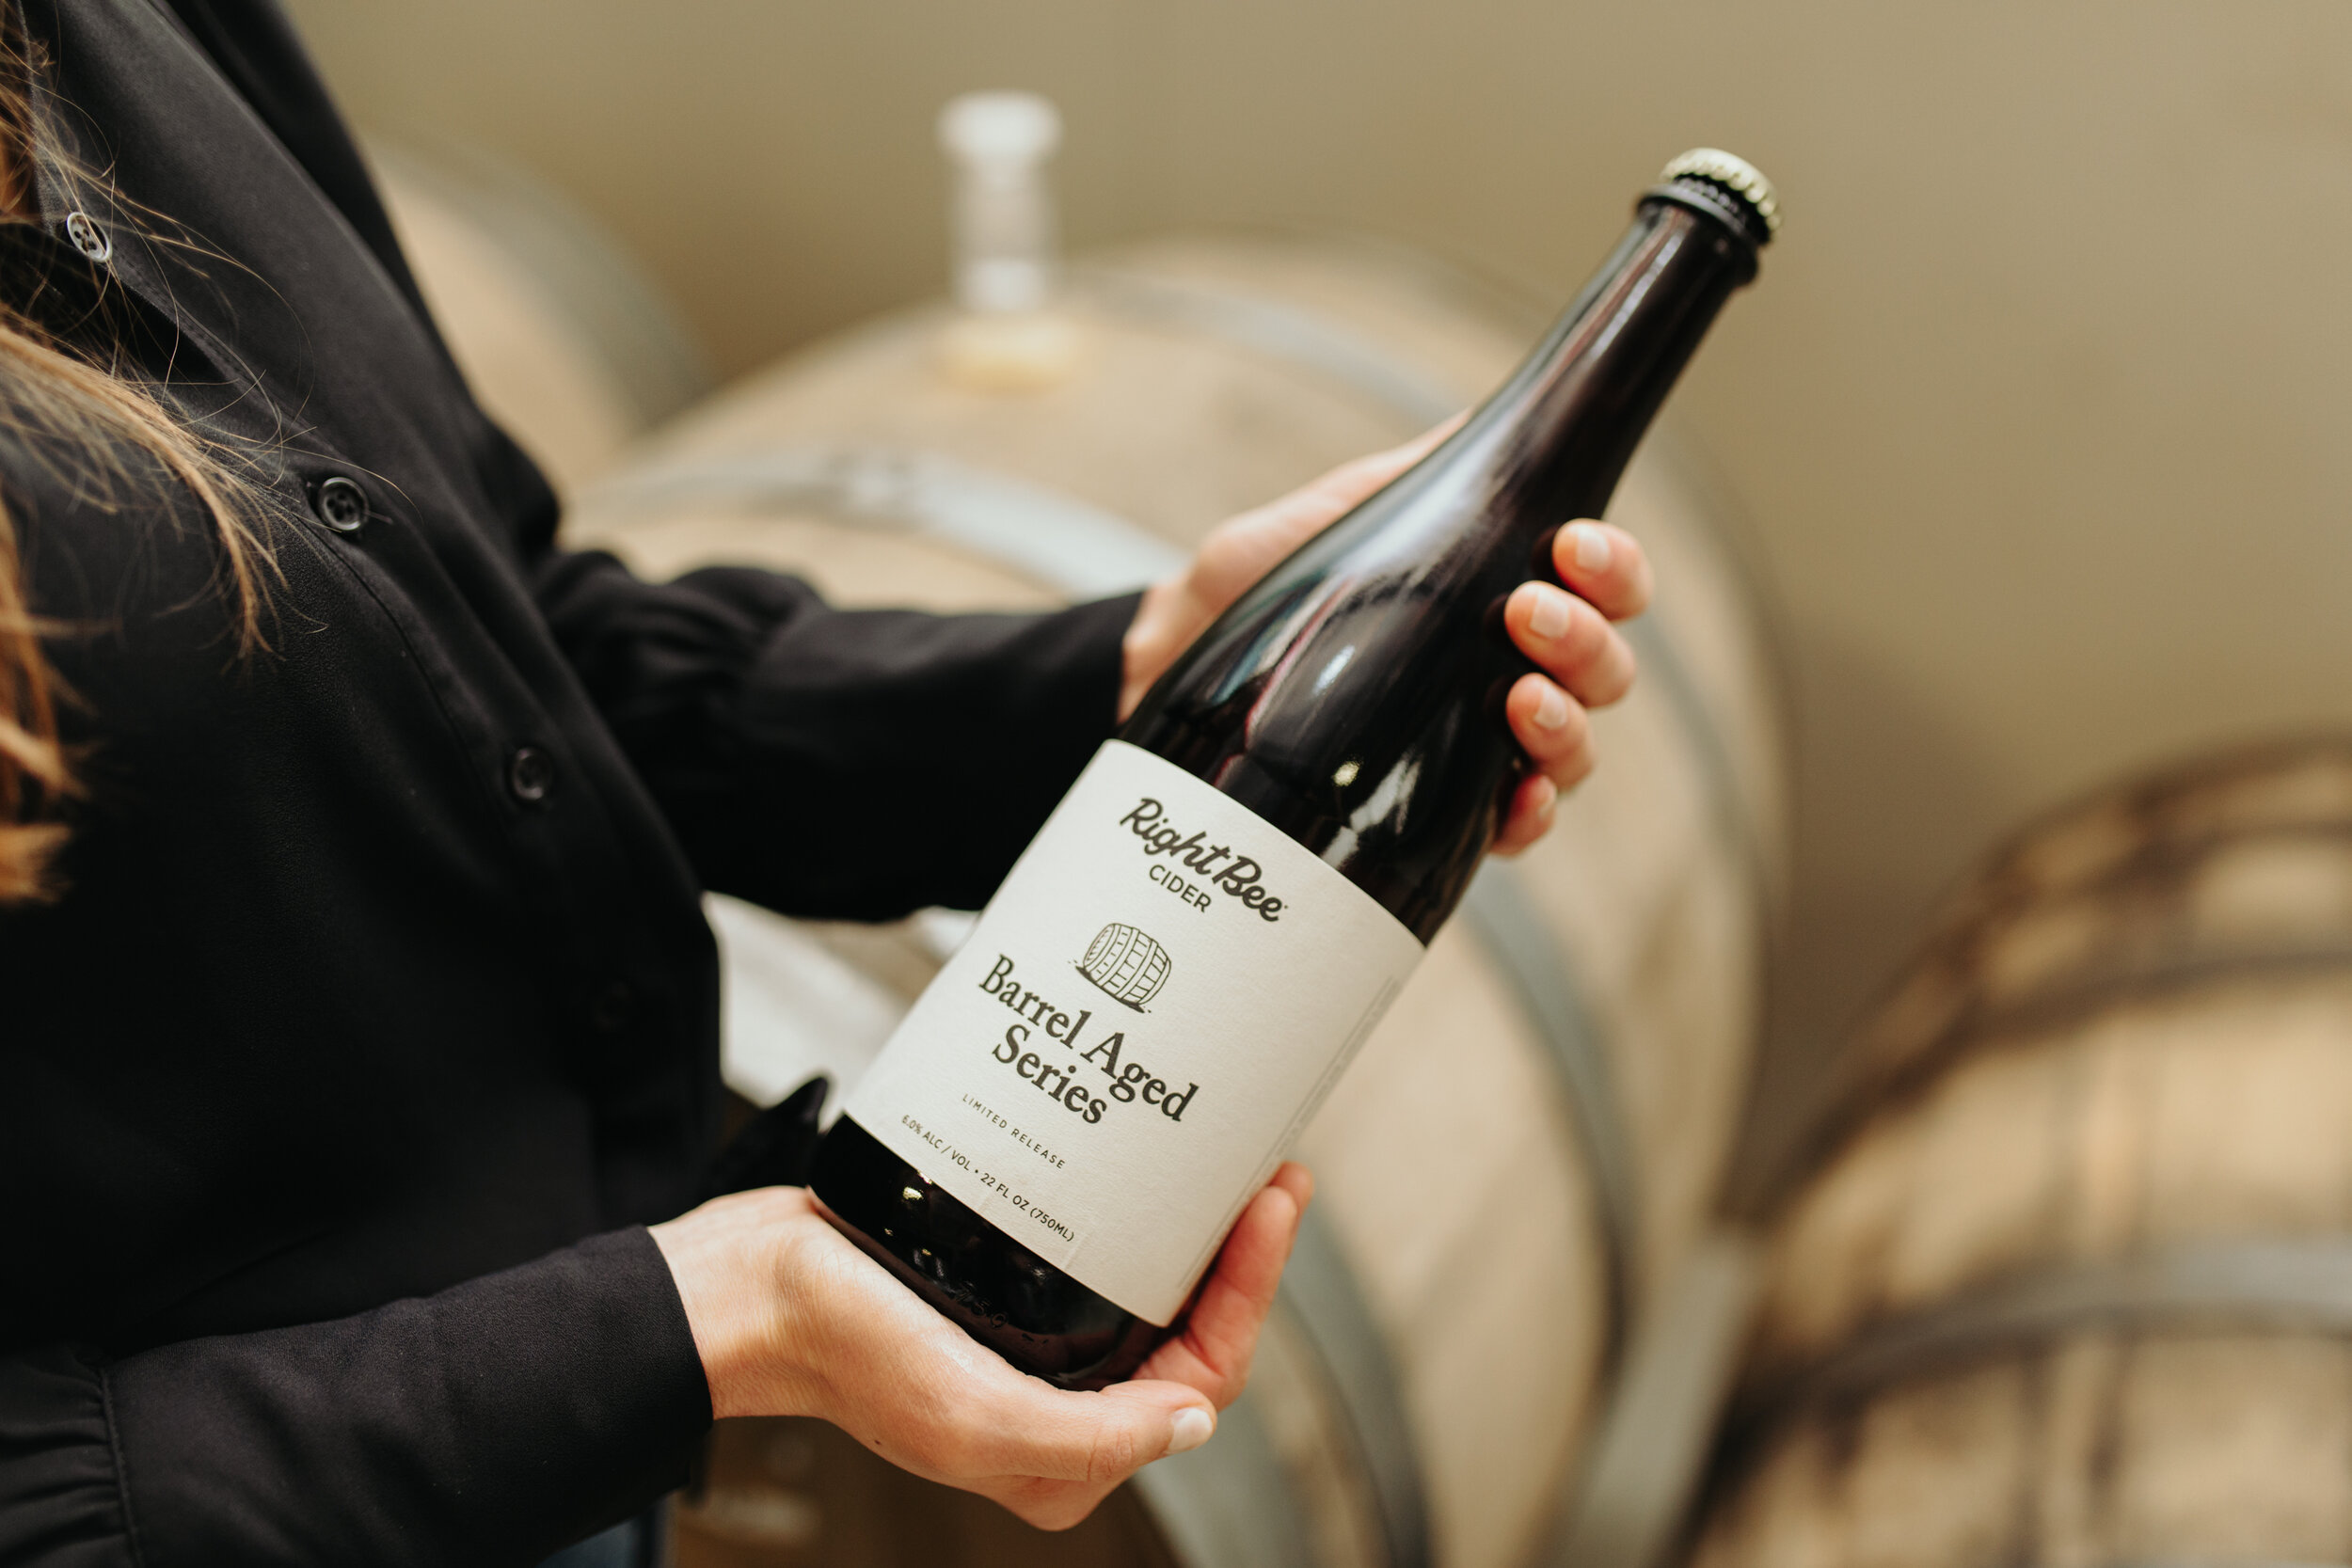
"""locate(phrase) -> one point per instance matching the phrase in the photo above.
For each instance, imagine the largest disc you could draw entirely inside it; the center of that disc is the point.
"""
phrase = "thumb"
(1189, 1416)
(1314, 506)
(1100, 1438)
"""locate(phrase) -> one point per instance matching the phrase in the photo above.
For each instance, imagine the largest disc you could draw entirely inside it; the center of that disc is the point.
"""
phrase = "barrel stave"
(2231, 1447)
(2251, 1115)
(2277, 892)
(1987, 1183)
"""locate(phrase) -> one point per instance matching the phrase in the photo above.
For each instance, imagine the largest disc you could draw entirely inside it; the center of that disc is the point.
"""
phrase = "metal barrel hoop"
(2280, 1285)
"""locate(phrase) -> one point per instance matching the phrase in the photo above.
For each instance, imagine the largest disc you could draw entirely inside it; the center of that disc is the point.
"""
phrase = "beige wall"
(2042, 409)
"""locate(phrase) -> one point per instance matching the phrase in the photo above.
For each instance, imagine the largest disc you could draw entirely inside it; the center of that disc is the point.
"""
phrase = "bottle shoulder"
(1353, 700)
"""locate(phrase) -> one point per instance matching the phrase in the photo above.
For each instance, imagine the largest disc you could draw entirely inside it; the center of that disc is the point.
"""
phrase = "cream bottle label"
(1146, 1015)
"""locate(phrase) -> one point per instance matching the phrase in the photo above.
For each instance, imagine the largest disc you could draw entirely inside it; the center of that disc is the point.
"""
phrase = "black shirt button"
(86, 236)
(341, 504)
(529, 775)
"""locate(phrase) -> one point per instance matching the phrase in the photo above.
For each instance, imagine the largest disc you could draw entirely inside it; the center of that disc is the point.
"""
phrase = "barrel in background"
(2070, 1278)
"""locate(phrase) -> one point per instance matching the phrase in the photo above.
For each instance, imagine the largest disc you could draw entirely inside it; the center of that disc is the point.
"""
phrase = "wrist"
(729, 1261)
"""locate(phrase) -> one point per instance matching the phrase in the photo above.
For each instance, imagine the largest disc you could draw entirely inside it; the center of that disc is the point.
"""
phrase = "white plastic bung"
(1004, 239)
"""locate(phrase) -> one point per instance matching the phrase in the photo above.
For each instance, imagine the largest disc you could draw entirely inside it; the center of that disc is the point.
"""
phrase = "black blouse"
(380, 1013)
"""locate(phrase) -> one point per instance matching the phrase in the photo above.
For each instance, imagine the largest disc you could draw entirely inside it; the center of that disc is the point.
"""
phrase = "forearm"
(839, 763)
(489, 1423)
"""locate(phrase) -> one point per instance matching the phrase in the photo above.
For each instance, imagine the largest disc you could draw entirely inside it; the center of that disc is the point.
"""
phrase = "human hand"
(791, 1319)
(1581, 661)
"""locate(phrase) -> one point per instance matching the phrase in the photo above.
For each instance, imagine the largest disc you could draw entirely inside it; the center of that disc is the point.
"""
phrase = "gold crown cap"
(1735, 174)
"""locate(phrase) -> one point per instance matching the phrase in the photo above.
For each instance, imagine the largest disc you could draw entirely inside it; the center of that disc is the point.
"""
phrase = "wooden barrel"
(1531, 1142)
(2069, 1278)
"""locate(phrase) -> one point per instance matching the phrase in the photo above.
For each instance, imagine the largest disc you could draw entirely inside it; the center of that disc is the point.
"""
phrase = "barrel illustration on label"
(1125, 962)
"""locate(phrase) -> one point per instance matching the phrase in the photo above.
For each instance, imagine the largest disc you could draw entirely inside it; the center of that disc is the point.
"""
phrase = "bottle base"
(1035, 1317)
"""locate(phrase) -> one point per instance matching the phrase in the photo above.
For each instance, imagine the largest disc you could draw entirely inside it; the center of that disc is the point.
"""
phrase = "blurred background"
(2031, 437)
(2037, 417)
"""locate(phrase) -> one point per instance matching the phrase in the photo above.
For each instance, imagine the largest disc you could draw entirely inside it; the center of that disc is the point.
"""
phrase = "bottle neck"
(1559, 433)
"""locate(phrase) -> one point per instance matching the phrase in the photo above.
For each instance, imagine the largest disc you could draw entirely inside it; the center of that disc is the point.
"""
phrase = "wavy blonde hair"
(81, 400)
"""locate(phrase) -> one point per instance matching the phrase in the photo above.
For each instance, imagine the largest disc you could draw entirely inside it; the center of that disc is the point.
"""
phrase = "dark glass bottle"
(1354, 699)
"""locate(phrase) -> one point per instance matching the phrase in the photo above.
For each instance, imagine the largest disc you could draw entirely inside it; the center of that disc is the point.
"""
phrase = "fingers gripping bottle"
(1053, 1145)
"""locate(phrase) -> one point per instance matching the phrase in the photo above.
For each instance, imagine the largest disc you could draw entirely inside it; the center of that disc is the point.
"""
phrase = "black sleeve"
(844, 764)
(492, 1423)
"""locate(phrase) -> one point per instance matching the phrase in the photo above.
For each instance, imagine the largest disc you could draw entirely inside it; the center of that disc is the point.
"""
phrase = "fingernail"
(1551, 710)
(1549, 618)
(1189, 1430)
(1592, 548)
